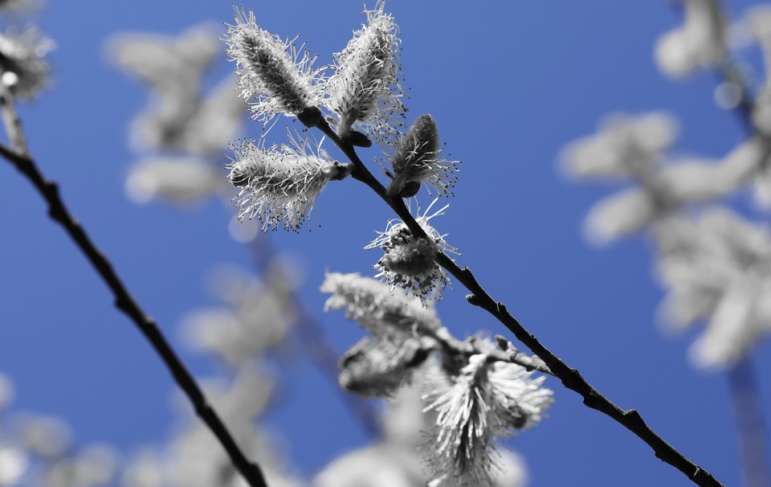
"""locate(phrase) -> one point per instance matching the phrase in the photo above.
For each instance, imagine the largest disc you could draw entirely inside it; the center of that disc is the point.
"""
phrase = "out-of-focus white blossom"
(195, 124)
(24, 68)
(13, 465)
(486, 399)
(365, 85)
(668, 188)
(622, 146)
(179, 180)
(699, 43)
(258, 316)
(410, 263)
(279, 185)
(146, 470)
(634, 149)
(717, 268)
(273, 75)
(95, 466)
(179, 117)
(619, 215)
(418, 159)
(45, 436)
(168, 64)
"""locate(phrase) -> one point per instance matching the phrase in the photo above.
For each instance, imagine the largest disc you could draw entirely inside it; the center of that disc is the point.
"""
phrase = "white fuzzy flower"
(717, 269)
(13, 465)
(257, 316)
(181, 180)
(379, 308)
(192, 123)
(95, 466)
(23, 67)
(179, 117)
(418, 159)
(699, 43)
(45, 436)
(484, 400)
(623, 146)
(365, 85)
(173, 66)
(410, 263)
(273, 75)
(279, 185)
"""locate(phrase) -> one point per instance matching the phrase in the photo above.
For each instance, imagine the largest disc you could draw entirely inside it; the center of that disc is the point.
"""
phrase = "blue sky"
(509, 83)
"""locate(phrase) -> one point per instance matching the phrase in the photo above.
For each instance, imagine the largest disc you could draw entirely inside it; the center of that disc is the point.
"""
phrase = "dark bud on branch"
(357, 139)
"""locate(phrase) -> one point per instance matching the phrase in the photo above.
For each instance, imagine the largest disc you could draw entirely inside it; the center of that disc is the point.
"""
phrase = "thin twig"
(750, 423)
(60, 214)
(12, 122)
(570, 377)
(312, 334)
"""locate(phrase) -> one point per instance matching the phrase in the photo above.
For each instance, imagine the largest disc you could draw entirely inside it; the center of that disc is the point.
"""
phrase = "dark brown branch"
(569, 376)
(59, 213)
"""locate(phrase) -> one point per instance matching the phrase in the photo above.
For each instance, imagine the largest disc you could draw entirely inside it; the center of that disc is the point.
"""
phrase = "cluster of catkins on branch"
(474, 390)
(713, 262)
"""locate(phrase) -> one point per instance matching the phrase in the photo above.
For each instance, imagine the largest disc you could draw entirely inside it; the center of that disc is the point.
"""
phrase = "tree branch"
(60, 214)
(570, 377)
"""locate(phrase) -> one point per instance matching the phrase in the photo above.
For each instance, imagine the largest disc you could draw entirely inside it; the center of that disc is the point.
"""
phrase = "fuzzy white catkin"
(410, 263)
(364, 87)
(378, 307)
(279, 185)
(699, 43)
(484, 401)
(273, 77)
(182, 180)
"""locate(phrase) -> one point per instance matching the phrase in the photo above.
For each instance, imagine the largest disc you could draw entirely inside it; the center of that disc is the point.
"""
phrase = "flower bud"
(418, 159)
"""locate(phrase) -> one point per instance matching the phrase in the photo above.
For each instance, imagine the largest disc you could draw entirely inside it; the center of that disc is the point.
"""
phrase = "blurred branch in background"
(311, 333)
(712, 261)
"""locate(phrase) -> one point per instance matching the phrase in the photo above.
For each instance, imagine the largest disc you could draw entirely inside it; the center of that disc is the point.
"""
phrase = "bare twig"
(11, 121)
(60, 214)
(570, 377)
(750, 423)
